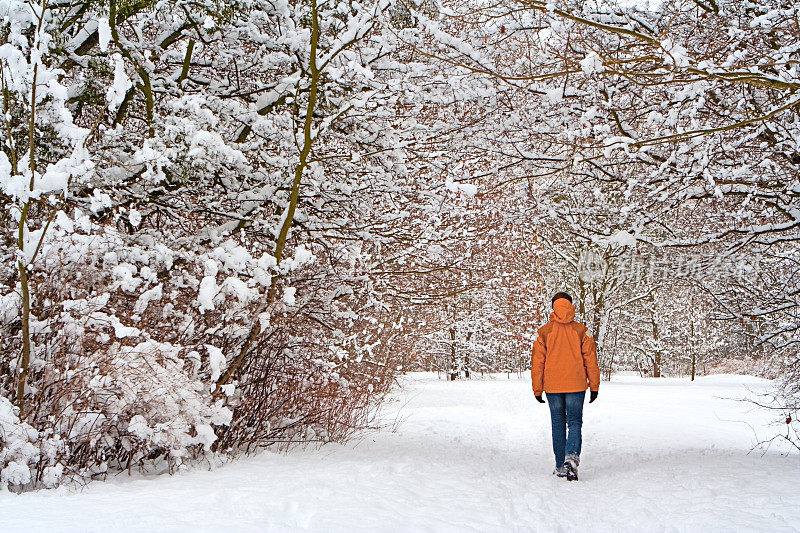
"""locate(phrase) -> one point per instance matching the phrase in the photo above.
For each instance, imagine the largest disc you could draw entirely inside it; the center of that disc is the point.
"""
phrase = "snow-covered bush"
(135, 338)
(18, 450)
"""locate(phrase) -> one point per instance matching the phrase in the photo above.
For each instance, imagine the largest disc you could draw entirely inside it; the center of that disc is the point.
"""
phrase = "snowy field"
(659, 455)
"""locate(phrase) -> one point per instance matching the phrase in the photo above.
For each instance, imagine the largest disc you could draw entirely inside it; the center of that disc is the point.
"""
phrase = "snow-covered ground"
(659, 455)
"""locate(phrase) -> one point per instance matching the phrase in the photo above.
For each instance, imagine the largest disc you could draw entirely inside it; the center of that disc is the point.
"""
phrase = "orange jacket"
(564, 357)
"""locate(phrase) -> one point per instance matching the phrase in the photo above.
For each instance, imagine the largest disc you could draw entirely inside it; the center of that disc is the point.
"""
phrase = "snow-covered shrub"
(305, 384)
(125, 406)
(133, 344)
(18, 450)
(105, 392)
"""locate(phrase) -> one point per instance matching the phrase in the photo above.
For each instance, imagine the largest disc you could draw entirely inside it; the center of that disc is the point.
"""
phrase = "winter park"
(400, 265)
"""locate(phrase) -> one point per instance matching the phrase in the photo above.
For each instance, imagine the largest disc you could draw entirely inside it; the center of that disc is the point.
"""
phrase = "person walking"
(564, 365)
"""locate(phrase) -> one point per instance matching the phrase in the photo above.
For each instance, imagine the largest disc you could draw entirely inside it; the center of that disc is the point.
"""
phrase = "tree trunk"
(25, 357)
(305, 151)
(657, 355)
(453, 361)
(466, 358)
(26, 339)
(694, 352)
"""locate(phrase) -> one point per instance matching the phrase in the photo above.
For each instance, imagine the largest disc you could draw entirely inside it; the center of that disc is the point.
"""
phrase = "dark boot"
(571, 466)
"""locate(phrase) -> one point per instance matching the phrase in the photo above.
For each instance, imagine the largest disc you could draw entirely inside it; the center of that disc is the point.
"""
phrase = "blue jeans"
(566, 412)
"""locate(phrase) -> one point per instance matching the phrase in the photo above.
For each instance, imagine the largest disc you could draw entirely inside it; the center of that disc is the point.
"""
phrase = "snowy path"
(665, 455)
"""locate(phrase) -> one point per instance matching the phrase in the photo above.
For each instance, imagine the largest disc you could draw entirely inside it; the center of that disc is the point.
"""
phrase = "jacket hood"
(563, 311)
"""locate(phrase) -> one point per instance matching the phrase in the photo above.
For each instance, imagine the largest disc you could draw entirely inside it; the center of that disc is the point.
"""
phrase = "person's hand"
(539, 399)
(592, 396)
